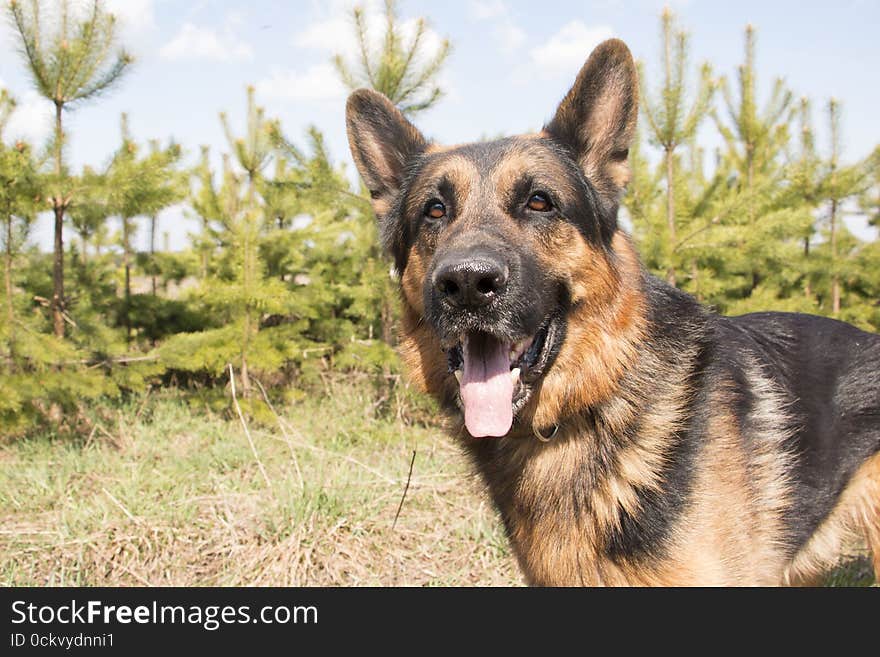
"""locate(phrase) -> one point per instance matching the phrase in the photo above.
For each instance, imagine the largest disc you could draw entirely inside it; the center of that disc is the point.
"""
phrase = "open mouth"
(496, 375)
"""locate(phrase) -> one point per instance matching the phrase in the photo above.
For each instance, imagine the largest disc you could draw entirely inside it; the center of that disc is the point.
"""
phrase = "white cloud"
(31, 121)
(505, 31)
(510, 36)
(325, 34)
(137, 24)
(318, 82)
(135, 19)
(335, 32)
(486, 9)
(196, 42)
(567, 50)
(133, 15)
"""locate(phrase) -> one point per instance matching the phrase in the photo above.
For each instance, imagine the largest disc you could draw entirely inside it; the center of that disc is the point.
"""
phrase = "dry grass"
(166, 496)
(174, 498)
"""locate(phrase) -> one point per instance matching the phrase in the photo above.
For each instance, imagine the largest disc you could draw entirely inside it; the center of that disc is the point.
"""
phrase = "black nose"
(471, 282)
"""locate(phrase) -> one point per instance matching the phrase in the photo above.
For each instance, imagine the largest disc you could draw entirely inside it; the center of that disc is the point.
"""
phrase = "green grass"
(161, 494)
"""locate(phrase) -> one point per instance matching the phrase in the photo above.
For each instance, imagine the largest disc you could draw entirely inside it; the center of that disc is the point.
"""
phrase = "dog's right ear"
(382, 142)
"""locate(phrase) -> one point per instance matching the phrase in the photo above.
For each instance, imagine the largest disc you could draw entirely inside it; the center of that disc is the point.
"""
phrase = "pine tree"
(869, 200)
(203, 200)
(252, 153)
(763, 225)
(402, 70)
(351, 298)
(839, 185)
(406, 74)
(19, 194)
(71, 64)
(670, 122)
(43, 382)
(867, 260)
(804, 177)
(139, 186)
(236, 290)
(88, 216)
(754, 138)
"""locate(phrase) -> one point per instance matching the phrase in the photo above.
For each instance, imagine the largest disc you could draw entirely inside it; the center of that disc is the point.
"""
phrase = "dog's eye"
(539, 202)
(435, 209)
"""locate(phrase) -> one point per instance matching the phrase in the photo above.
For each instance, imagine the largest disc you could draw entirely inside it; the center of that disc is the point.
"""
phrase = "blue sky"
(512, 61)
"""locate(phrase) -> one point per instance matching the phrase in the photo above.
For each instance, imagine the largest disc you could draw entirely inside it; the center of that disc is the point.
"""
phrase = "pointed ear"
(597, 118)
(382, 142)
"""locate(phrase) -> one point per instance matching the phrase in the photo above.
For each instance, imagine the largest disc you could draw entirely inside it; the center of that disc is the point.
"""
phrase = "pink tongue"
(486, 386)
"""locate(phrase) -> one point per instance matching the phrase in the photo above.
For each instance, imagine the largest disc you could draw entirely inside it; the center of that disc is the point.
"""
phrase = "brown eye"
(435, 210)
(539, 202)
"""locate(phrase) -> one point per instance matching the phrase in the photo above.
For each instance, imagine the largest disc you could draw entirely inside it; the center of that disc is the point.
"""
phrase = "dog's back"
(828, 373)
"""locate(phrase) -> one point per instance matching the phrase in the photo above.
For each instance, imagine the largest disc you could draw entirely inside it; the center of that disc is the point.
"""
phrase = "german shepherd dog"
(627, 435)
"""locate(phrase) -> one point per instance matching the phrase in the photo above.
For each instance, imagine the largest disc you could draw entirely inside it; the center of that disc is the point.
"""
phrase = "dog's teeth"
(458, 376)
(514, 375)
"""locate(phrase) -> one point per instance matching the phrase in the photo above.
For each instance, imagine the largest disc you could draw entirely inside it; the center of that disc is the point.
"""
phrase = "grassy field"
(165, 496)
(162, 495)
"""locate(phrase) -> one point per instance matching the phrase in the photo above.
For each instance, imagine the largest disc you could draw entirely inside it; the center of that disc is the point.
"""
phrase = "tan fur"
(604, 328)
(556, 549)
(412, 281)
(856, 514)
(709, 547)
(457, 170)
(732, 534)
(418, 349)
(604, 120)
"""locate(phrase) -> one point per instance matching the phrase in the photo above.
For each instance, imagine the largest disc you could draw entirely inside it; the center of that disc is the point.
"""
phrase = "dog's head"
(504, 247)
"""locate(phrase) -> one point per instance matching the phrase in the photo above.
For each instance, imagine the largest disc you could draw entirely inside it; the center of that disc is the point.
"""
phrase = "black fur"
(830, 374)
(680, 329)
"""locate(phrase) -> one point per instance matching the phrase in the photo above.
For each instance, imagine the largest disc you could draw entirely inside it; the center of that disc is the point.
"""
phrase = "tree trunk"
(835, 275)
(835, 279)
(58, 249)
(126, 261)
(808, 290)
(245, 379)
(247, 282)
(670, 213)
(387, 320)
(10, 309)
(750, 165)
(695, 276)
(245, 344)
(58, 272)
(153, 252)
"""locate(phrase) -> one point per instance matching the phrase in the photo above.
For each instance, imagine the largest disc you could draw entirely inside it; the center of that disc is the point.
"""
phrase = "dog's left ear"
(597, 118)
